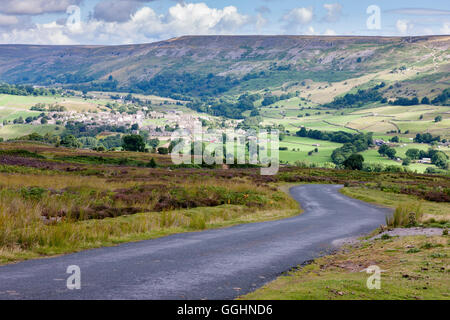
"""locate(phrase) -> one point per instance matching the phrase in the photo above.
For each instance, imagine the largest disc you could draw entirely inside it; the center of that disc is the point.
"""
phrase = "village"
(157, 124)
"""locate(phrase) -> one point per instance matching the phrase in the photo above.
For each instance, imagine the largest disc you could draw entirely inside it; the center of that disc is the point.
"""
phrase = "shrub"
(133, 142)
(163, 150)
(21, 153)
(70, 141)
(354, 162)
(406, 215)
(152, 163)
(428, 246)
(167, 219)
(33, 193)
(198, 222)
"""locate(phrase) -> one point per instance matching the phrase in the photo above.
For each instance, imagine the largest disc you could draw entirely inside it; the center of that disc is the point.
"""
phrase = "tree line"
(353, 143)
(27, 90)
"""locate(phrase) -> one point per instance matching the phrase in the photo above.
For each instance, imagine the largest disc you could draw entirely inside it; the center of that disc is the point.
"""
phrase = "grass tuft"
(405, 215)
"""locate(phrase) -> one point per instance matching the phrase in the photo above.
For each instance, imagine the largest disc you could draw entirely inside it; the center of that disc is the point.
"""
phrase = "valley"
(243, 81)
(87, 135)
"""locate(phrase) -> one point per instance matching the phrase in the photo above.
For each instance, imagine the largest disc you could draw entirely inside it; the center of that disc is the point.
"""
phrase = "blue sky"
(137, 21)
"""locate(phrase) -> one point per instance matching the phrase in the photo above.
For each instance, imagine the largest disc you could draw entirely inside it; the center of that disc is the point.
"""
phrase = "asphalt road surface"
(214, 264)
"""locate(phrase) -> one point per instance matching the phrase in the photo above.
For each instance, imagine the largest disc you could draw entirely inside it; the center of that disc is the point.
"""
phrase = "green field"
(19, 130)
(376, 119)
(304, 145)
(12, 105)
(293, 114)
(380, 120)
(11, 114)
(373, 157)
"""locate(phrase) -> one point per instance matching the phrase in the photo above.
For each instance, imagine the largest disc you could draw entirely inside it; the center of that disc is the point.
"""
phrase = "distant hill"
(215, 65)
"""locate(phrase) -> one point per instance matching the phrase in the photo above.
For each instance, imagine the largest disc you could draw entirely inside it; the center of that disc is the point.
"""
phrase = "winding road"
(214, 264)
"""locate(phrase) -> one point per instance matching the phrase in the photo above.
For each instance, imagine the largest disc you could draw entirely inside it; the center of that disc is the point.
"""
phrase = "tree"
(338, 157)
(302, 133)
(154, 143)
(44, 121)
(133, 142)
(254, 113)
(439, 159)
(425, 100)
(413, 154)
(383, 149)
(391, 152)
(395, 139)
(135, 127)
(354, 162)
(144, 134)
(152, 163)
(163, 150)
(438, 119)
(406, 162)
(426, 138)
(18, 120)
(70, 142)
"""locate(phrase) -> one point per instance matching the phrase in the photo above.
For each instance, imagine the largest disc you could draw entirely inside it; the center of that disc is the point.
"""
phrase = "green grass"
(373, 157)
(19, 130)
(436, 210)
(306, 145)
(54, 212)
(12, 114)
(25, 102)
(9, 104)
(73, 237)
(419, 275)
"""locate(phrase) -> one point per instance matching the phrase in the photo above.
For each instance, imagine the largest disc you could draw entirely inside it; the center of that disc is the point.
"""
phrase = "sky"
(113, 22)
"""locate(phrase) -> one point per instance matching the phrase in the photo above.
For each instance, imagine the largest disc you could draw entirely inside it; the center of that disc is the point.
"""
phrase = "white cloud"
(403, 26)
(329, 32)
(115, 10)
(445, 28)
(6, 20)
(33, 7)
(51, 33)
(420, 11)
(143, 26)
(311, 31)
(299, 16)
(194, 18)
(261, 22)
(334, 12)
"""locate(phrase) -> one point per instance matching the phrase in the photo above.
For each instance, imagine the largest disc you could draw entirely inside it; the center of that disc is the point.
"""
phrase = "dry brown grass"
(57, 217)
